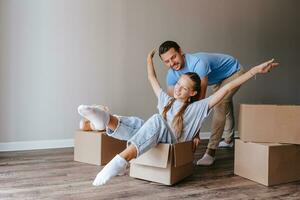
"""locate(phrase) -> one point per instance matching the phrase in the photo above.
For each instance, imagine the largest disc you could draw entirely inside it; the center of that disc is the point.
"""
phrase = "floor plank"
(52, 174)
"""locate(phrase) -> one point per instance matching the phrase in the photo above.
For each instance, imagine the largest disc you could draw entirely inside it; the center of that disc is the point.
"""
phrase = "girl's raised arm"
(262, 68)
(151, 74)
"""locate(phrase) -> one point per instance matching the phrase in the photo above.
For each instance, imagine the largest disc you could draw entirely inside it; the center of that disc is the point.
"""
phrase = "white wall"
(57, 54)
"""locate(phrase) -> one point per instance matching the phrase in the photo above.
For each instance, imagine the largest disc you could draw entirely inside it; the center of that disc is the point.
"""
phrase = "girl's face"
(183, 89)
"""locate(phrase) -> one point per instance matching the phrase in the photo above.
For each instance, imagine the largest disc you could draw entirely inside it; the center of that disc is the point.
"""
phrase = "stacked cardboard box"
(96, 147)
(268, 150)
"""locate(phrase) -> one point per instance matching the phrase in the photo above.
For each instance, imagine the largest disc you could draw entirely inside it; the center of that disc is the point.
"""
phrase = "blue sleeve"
(171, 79)
(202, 69)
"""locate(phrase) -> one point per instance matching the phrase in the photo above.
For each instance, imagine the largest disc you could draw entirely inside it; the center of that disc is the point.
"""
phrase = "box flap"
(157, 156)
(183, 153)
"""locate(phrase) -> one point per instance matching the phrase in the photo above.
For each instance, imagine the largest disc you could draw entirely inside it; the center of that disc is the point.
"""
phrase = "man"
(214, 70)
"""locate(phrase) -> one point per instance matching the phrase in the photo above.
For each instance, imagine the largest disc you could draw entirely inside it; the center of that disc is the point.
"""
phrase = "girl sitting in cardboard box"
(179, 119)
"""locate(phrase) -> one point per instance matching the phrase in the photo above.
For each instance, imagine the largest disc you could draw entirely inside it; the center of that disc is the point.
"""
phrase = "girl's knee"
(156, 117)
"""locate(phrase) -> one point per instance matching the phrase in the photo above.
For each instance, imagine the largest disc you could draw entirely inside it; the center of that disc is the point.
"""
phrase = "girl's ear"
(193, 93)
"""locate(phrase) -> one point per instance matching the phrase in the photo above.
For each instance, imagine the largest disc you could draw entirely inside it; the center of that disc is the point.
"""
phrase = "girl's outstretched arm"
(221, 93)
(151, 73)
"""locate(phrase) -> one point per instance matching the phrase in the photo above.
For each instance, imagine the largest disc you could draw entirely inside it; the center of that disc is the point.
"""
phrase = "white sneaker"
(206, 160)
(224, 144)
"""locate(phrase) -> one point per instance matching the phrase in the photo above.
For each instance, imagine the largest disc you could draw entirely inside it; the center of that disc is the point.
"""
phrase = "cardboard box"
(96, 147)
(269, 123)
(166, 163)
(267, 163)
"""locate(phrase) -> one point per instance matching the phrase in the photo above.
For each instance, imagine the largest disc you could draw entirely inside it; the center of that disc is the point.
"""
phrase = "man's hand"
(196, 142)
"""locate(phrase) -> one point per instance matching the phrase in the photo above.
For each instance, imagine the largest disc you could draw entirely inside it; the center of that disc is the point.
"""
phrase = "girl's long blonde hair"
(177, 122)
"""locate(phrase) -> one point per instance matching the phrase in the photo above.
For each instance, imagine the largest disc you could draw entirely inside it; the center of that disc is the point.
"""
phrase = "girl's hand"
(196, 142)
(150, 55)
(264, 67)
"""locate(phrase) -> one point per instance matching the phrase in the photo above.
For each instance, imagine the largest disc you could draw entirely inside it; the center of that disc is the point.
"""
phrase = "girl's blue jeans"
(143, 135)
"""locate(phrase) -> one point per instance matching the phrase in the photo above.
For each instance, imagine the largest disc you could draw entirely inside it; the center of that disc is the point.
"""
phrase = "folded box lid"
(156, 157)
(180, 154)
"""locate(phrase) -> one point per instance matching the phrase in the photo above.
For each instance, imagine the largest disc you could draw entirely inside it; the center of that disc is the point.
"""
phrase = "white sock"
(98, 117)
(113, 168)
(206, 160)
(105, 108)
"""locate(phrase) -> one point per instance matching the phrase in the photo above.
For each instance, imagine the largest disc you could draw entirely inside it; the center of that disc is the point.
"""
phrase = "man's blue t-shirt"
(216, 66)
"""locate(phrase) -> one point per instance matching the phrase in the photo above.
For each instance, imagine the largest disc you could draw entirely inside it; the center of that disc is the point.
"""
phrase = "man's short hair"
(167, 45)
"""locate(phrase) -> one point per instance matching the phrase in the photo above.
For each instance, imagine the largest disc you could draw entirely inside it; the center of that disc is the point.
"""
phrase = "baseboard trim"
(204, 135)
(51, 144)
(36, 144)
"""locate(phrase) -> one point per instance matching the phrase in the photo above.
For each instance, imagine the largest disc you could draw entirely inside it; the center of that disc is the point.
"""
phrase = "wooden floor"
(52, 174)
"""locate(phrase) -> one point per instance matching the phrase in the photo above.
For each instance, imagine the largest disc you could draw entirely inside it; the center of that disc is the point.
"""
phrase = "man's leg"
(228, 132)
(217, 128)
(218, 121)
(229, 124)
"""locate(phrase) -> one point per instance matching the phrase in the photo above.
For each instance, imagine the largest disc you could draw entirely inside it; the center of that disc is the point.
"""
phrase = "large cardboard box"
(267, 163)
(166, 163)
(270, 123)
(96, 147)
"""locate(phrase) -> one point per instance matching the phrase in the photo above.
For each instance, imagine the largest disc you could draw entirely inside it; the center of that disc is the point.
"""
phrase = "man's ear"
(180, 51)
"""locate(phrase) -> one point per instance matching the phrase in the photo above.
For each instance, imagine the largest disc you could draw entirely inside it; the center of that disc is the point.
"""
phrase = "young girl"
(179, 118)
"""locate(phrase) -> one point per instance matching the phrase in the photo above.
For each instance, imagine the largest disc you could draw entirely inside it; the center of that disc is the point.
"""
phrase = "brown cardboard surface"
(96, 147)
(267, 163)
(180, 155)
(284, 158)
(151, 165)
(270, 123)
(181, 172)
(156, 157)
(110, 147)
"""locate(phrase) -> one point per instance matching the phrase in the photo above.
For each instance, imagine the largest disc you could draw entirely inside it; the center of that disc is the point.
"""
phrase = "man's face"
(173, 59)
